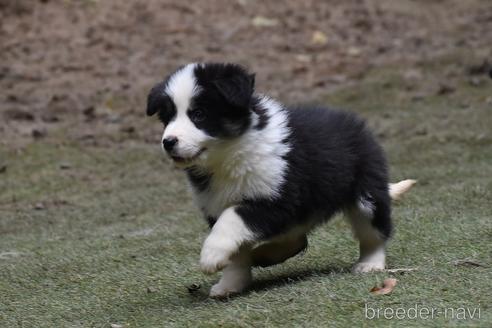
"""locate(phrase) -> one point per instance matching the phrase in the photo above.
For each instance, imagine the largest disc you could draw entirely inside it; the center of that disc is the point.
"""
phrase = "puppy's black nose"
(169, 143)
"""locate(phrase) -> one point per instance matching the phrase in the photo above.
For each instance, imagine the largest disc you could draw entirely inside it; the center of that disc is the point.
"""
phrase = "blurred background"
(88, 64)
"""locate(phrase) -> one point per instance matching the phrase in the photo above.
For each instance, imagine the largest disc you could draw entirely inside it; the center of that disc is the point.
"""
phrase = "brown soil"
(85, 67)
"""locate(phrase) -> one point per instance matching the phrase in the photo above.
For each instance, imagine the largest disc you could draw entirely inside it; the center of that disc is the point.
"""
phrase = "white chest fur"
(251, 167)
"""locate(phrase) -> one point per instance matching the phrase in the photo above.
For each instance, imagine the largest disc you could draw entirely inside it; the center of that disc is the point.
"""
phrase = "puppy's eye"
(197, 115)
(165, 116)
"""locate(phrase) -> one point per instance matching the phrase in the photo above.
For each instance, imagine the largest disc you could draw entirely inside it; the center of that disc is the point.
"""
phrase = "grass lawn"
(99, 235)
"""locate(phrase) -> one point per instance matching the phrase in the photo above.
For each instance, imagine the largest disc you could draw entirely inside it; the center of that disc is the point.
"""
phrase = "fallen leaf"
(262, 21)
(387, 287)
(319, 38)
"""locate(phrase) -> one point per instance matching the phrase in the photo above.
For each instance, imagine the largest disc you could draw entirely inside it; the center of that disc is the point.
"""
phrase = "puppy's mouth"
(187, 160)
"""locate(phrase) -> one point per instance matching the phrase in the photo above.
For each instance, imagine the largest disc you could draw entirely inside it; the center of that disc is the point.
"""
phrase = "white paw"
(216, 255)
(224, 289)
(362, 267)
(220, 291)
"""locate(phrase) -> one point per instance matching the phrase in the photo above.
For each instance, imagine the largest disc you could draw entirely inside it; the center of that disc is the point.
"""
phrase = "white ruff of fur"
(250, 166)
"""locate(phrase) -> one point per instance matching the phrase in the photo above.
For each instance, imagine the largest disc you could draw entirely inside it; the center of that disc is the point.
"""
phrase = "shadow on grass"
(294, 276)
(283, 279)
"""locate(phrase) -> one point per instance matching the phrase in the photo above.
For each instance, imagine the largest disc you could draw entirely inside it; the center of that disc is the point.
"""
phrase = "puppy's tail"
(396, 190)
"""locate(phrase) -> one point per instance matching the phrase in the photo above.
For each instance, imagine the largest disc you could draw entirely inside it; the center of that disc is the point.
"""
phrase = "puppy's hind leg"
(278, 251)
(371, 224)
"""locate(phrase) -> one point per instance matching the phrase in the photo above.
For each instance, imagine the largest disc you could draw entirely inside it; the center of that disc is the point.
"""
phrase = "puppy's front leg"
(228, 234)
(236, 276)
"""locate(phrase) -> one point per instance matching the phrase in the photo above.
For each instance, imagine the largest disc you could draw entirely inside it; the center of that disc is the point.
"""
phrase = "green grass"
(118, 240)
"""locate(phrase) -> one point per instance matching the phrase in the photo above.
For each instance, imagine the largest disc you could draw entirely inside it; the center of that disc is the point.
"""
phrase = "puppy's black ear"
(157, 99)
(237, 90)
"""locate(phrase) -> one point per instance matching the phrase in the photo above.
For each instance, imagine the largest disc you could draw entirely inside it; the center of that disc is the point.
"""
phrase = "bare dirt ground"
(85, 67)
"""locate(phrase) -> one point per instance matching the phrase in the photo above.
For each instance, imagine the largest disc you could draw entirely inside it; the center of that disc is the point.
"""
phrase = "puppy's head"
(200, 104)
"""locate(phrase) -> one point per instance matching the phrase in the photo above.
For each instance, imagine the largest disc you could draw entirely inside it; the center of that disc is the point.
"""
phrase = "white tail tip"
(398, 189)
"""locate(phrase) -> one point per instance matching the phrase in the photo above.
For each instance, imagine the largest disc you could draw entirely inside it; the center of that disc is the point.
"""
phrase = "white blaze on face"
(182, 88)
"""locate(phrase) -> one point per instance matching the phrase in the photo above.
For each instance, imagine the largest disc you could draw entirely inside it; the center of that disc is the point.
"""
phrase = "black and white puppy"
(264, 175)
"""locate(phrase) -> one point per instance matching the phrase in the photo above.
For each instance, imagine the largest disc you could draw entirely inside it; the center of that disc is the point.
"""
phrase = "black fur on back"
(334, 162)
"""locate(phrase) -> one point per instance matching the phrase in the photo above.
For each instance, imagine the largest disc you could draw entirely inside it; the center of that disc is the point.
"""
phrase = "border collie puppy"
(264, 175)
